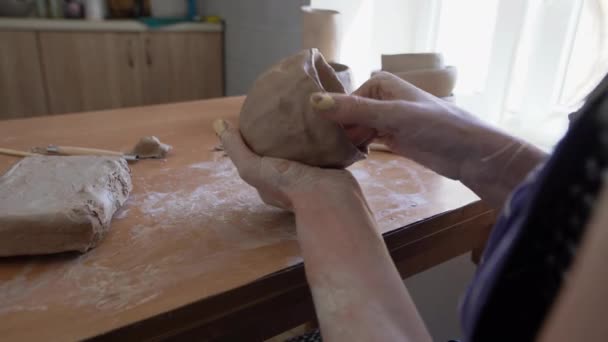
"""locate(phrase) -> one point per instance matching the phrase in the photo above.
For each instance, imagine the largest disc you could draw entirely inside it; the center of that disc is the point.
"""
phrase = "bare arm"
(497, 164)
(358, 293)
(434, 133)
(356, 288)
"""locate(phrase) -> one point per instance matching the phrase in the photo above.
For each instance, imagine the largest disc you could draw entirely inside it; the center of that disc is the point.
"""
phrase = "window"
(523, 65)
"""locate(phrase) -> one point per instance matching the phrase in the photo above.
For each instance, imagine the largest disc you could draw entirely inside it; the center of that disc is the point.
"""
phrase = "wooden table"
(195, 253)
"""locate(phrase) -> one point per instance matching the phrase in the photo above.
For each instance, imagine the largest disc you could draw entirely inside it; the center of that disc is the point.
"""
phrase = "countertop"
(34, 24)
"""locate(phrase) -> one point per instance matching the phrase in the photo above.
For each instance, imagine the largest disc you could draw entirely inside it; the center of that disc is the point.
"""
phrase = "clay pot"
(321, 30)
(277, 119)
(439, 82)
(412, 61)
(345, 75)
(436, 82)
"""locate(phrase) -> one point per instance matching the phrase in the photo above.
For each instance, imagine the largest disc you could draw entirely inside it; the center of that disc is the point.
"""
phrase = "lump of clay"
(51, 204)
(345, 75)
(277, 120)
(151, 147)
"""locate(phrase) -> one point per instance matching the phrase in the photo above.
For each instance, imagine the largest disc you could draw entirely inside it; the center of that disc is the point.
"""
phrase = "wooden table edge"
(282, 300)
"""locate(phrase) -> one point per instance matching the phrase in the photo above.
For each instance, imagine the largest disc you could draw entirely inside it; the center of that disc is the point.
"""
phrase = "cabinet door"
(182, 66)
(21, 83)
(91, 71)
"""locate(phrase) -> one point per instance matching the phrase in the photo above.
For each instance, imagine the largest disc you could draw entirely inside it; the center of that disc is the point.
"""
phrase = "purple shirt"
(506, 229)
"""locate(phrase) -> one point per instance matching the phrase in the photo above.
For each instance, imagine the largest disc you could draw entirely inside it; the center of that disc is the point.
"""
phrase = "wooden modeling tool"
(16, 153)
(84, 151)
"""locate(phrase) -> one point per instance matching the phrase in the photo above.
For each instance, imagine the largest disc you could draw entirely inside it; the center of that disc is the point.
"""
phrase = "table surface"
(191, 229)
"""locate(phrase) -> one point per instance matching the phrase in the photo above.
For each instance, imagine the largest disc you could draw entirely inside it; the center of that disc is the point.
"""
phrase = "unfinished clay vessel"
(321, 30)
(412, 61)
(277, 120)
(345, 76)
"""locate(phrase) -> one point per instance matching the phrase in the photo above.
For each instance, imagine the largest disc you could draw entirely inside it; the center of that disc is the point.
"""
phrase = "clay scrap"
(151, 147)
(277, 119)
(51, 204)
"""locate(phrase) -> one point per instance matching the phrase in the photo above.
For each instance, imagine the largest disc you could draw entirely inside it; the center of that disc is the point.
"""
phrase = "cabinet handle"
(148, 54)
(130, 54)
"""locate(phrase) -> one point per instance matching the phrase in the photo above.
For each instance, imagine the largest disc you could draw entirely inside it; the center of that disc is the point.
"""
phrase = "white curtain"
(523, 64)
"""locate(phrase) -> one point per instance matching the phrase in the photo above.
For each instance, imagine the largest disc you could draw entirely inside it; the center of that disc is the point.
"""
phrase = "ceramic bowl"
(412, 61)
(439, 82)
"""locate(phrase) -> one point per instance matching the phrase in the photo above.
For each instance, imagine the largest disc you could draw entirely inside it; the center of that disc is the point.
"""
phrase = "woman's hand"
(432, 132)
(409, 121)
(357, 291)
(282, 183)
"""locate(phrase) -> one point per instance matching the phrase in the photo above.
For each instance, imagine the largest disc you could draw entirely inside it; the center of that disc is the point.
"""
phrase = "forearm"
(498, 164)
(357, 290)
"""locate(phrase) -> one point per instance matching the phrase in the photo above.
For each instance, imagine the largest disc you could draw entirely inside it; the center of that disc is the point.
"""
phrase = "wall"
(258, 34)
(437, 294)
(375, 27)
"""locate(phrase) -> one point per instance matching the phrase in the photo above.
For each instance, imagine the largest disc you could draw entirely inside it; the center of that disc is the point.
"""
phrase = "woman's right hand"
(409, 121)
(432, 132)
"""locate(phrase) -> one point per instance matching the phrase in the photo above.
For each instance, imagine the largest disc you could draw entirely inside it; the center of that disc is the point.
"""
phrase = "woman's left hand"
(281, 183)
(348, 266)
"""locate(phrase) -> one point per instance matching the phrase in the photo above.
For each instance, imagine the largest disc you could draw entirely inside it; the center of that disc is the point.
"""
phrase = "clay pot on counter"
(438, 82)
(412, 61)
(345, 75)
(321, 30)
(426, 71)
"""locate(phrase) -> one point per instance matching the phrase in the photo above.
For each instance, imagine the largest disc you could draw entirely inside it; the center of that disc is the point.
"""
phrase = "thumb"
(243, 158)
(354, 110)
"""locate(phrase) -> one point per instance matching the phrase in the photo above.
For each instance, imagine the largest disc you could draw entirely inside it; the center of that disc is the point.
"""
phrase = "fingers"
(359, 135)
(274, 201)
(243, 158)
(386, 86)
(355, 110)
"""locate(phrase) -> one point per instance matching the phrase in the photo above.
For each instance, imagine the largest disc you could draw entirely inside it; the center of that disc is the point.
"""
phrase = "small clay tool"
(84, 151)
(16, 153)
(151, 147)
(379, 147)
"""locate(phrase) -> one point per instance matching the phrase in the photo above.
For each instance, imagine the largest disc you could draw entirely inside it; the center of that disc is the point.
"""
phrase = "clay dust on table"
(207, 221)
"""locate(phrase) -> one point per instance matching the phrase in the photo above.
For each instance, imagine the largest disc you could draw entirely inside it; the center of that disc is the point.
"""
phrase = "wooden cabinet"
(182, 67)
(22, 91)
(91, 71)
(54, 71)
